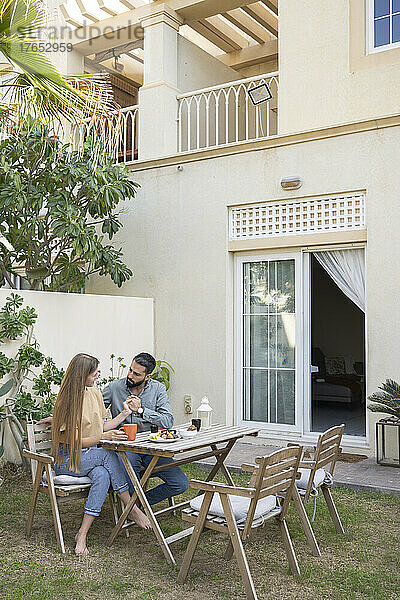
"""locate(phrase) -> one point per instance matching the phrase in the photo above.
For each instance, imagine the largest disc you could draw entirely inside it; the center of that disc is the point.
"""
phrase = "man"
(148, 399)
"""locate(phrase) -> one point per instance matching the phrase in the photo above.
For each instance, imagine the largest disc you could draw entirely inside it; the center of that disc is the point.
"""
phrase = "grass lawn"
(362, 564)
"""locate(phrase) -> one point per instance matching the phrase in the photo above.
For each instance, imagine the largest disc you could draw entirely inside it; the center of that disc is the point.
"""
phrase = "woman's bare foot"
(80, 548)
(139, 518)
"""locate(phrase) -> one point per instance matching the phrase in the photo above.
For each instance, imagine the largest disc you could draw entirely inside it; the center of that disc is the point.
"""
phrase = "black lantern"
(388, 442)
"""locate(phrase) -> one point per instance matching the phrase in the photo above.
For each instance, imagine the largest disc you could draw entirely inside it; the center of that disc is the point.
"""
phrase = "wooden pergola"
(239, 33)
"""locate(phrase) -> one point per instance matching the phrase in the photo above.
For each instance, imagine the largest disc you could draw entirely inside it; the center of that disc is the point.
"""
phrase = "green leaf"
(6, 387)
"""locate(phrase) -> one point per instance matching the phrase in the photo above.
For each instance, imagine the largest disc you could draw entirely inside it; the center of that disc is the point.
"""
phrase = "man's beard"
(132, 384)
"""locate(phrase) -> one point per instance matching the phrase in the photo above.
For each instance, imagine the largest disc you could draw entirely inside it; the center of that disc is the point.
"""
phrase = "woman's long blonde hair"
(67, 414)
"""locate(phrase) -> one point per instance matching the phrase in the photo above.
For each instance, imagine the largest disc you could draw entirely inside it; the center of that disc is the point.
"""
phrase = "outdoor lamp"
(291, 183)
(204, 412)
(260, 93)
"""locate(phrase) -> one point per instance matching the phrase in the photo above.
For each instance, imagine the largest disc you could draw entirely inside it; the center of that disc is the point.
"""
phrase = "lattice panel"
(271, 219)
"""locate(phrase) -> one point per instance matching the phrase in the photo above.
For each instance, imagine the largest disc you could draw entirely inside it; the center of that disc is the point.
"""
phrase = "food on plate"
(164, 434)
(192, 428)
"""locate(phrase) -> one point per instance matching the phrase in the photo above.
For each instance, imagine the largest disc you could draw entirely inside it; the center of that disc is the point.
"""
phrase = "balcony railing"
(118, 134)
(224, 114)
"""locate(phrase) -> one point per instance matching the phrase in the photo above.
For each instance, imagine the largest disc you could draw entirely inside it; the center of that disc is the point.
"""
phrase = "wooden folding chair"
(317, 467)
(273, 475)
(39, 441)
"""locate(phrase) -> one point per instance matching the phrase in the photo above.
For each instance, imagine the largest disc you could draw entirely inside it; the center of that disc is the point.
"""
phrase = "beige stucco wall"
(198, 69)
(96, 324)
(323, 68)
(175, 239)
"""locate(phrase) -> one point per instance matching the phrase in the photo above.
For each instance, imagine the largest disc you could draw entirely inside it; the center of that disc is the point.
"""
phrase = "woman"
(77, 427)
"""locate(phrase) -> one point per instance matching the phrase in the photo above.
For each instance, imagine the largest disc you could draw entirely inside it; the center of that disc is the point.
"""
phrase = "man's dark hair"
(146, 360)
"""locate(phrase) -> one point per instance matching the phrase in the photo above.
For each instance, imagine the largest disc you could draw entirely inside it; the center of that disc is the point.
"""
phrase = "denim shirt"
(154, 399)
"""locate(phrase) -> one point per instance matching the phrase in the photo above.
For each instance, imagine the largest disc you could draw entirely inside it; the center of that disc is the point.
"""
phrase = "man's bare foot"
(80, 548)
(139, 518)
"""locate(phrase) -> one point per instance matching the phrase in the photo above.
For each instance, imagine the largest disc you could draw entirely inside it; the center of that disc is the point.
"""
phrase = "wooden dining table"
(216, 441)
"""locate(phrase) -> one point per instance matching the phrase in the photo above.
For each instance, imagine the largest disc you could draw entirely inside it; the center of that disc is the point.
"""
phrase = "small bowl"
(184, 433)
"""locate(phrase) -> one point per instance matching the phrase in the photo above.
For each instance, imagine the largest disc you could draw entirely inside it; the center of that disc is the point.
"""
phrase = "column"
(157, 96)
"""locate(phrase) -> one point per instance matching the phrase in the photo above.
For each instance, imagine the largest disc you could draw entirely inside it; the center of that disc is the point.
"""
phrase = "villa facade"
(268, 234)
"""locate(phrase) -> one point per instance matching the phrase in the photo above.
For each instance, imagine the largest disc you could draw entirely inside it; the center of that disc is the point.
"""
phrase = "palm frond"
(33, 85)
(387, 400)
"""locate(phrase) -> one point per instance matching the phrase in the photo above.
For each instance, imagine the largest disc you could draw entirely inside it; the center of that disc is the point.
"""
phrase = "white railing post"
(247, 121)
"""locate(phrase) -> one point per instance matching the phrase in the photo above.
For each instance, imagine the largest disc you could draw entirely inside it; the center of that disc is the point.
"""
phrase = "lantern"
(204, 412)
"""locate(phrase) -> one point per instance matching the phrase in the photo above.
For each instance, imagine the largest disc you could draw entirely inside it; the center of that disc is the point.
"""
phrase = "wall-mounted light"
(260, 93)
(291, 183)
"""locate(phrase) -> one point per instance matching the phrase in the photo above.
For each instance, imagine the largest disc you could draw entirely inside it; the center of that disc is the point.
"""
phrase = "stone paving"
(364, 475)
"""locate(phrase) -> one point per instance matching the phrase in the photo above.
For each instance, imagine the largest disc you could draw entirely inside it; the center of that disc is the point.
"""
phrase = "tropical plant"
(162, 372)
(30, 84)
(57, 213)
(115, 371)
(16, 323)
(388, 400)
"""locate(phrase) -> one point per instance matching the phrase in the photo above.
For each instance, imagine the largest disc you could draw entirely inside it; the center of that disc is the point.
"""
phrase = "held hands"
(133, 403)
(114, 435)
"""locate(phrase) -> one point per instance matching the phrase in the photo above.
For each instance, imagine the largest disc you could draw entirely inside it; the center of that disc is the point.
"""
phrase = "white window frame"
(370, 48)
(269, 428)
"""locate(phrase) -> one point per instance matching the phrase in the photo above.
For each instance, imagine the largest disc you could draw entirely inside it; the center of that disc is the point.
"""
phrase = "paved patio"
(364, 475)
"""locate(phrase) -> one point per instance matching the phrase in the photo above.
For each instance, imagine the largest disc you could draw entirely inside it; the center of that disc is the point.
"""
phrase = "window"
(383, 25)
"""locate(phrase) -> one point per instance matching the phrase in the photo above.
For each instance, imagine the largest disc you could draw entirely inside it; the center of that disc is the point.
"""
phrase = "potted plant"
(387, 400)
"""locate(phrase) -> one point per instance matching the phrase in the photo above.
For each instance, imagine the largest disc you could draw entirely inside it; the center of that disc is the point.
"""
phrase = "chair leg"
(171, 502)
(54, 509)
(287, 542)
(238, 548)
(229, 551)
(194, 539)
(305, 523)
(332, 509)
(115, 502)
(35, 492)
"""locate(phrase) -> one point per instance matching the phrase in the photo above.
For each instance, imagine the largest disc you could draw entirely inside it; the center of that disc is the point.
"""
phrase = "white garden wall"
(96, 324)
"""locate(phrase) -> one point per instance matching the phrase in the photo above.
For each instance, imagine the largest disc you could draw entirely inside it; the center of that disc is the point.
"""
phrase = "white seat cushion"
(319, 477)
(68, 479)
(240, 506)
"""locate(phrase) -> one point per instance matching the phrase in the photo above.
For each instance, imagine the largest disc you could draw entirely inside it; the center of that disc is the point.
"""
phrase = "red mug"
(130, 430)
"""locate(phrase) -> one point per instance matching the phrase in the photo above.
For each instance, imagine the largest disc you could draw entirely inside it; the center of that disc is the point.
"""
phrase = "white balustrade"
(118, 134)
(225, 114)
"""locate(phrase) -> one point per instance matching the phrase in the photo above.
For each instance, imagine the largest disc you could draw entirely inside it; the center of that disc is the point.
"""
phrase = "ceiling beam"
(253, 55)
(193, 10)
(134, 77)
(106, 8)
(117, 51)
(272, 5)
(230, 32)
(247, 25)
(214, 35)
(263, 17)
(135, 57)
(85, 12)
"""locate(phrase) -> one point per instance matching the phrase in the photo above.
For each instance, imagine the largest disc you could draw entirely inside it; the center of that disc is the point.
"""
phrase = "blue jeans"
(175, 480)
(103, 468)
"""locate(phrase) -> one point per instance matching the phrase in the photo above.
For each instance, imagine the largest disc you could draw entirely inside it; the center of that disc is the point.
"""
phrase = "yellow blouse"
(93, 413)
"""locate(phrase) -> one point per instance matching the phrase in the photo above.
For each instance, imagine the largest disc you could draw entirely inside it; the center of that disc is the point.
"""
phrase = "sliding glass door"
(267, 330)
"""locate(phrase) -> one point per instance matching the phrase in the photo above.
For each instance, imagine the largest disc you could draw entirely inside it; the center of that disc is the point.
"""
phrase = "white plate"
(162, 441)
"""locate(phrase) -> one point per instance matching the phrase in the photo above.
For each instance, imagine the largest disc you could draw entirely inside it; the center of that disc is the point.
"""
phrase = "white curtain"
(347, 269)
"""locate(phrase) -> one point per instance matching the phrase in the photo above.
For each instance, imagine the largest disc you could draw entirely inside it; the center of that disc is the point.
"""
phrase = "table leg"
(134, 496)
(219, 465)
(147, 508)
